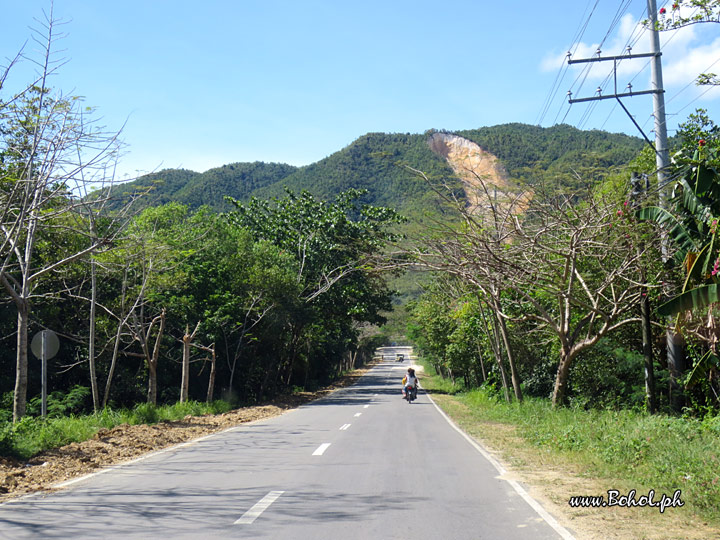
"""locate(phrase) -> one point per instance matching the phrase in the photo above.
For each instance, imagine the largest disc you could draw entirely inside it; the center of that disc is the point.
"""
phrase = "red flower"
(701, 142)
(662, 11)
(675, 6)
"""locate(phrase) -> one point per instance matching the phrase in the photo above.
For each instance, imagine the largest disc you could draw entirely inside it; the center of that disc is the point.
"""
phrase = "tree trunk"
(482, 363)
(116, 347)
(21, 370)
(153, 360)
(211, 381)
(91, 338)
(647, 354)
(676, 366)
(508, 350)
(566, 358)
(113, 363)
(184, 383)
(495, 342)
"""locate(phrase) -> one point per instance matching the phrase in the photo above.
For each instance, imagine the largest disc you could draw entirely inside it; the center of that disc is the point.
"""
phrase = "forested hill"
(529, 154)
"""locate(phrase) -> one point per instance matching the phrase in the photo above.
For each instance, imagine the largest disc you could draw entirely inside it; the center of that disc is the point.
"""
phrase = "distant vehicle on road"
(400, 357)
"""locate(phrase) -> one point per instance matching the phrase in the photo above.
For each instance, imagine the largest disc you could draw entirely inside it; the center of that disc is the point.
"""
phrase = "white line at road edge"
(321, 449)
(259, 507)
(562, 531)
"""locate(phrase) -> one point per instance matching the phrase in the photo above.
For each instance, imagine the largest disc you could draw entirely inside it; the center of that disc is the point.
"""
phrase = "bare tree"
(52, 152)
(571, 265)
(187, 340)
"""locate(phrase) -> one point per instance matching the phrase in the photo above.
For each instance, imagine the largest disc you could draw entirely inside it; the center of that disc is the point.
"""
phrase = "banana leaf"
(699, 371)
(696, 298)
(676, 231)
(705, 177)
(692, 203)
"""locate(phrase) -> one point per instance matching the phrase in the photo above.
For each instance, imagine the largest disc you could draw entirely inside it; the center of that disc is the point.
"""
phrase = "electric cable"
(579, 33)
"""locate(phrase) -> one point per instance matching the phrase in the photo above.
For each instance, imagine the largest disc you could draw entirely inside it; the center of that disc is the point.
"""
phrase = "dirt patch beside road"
(124, 443)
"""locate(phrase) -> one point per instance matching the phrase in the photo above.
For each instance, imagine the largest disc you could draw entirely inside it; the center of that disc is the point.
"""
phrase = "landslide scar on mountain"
(475, 166)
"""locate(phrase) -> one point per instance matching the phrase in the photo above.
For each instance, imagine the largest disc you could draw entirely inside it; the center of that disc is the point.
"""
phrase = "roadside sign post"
(45, 344)
(43, 359)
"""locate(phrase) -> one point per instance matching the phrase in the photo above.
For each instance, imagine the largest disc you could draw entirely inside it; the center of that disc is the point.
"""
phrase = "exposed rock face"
(481, 173)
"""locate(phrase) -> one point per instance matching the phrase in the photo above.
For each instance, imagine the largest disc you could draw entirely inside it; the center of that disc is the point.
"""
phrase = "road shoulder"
(552, 481)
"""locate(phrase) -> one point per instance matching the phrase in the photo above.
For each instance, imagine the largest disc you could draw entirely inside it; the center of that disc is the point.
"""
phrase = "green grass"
(624, 448)
(32, 435)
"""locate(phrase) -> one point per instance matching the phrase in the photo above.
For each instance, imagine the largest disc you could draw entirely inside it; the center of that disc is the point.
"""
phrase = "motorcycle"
(410, 393)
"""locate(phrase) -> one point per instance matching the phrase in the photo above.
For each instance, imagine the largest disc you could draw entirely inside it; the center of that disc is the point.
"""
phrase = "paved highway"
(359, 464)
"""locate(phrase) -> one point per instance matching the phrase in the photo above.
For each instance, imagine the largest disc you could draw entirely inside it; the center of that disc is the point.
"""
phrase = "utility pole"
(674, 341)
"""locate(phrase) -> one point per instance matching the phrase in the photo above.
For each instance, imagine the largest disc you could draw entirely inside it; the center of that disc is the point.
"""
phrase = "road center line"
(321, 449)
(259, 507)
(358, 414)
(344, 427)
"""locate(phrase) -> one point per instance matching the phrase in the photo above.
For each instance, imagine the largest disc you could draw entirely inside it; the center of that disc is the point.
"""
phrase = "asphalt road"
(359, 464)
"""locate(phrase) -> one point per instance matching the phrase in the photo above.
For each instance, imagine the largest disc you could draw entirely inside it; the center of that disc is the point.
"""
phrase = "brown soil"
(481, 174)
(124, 443)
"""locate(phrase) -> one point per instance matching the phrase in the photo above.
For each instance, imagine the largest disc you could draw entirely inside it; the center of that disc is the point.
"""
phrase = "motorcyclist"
(410, 382)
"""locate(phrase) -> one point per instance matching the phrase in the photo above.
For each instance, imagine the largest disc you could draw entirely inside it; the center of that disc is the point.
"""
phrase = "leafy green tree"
(338, 249)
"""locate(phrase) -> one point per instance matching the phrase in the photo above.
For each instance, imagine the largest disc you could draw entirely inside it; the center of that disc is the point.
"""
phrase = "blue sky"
(202, 84)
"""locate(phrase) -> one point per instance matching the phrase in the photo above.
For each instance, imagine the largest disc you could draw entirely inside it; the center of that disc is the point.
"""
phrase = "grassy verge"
(32, 435)
(624, 449)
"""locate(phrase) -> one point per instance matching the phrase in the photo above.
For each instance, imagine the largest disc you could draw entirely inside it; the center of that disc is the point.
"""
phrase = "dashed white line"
(344, 427)
(365, 406)
(358, 414)
(321, 449)
(259, 507)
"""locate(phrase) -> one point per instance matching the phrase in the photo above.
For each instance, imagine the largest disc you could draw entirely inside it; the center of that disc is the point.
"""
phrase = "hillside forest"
(576, 279)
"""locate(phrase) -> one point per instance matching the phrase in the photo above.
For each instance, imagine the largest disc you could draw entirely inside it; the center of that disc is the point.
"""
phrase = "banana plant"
(692, 229)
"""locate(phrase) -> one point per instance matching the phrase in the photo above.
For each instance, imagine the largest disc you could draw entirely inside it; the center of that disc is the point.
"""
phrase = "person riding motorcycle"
(410, 382)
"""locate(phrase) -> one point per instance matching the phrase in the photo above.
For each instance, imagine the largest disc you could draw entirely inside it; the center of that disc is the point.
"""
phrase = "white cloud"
(687, 52)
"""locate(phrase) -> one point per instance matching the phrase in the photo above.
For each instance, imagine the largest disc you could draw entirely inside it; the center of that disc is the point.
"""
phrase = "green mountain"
(529, 154)
(532, 153)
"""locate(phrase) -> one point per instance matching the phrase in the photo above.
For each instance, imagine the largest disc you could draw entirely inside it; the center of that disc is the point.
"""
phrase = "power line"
(582, 77)
(579, 33)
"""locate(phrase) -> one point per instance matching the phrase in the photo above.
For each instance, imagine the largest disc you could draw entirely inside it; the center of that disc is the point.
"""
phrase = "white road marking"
(321, 449)
(344, 427)
(358, 414)
(562, 531)
(262, 505)
(365, 406)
